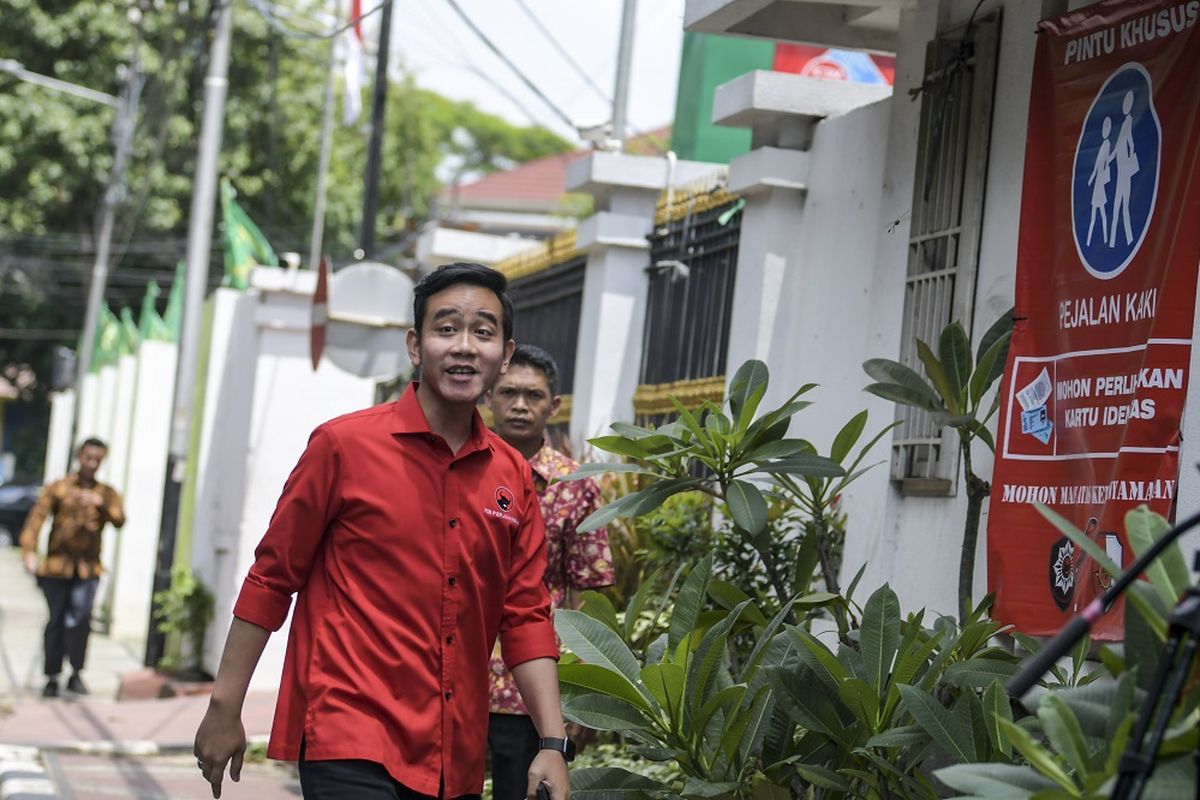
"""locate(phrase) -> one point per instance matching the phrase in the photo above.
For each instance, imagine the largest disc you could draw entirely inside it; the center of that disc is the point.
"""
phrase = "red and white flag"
(353, 81)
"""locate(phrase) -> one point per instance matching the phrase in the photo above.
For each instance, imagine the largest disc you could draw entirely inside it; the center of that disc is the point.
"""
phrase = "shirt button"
(452, 581)
(450, 639)
(449, 695)
(453, 522)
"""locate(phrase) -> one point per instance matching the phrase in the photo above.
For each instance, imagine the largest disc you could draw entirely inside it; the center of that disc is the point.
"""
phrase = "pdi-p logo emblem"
(1115, 179)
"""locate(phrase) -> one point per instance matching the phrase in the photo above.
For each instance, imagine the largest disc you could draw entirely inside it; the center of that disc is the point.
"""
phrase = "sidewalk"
(94, 746)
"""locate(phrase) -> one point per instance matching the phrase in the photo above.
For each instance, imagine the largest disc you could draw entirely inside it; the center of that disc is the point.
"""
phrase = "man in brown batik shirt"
(69, 569)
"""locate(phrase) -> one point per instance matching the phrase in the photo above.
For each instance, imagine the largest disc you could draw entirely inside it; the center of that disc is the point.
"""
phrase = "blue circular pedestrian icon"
(1115, 178)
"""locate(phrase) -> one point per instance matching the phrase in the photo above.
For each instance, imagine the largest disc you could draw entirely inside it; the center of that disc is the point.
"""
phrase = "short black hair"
(92, 441)
(447, 275)
(530, 355)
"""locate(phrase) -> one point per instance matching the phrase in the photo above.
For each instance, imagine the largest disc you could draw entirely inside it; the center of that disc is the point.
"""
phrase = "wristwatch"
(564, 746)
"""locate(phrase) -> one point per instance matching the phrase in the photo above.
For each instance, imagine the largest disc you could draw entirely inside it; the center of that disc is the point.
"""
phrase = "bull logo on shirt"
(504, 498)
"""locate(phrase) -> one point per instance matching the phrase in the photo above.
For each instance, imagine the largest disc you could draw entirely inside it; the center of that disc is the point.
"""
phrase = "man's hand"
(551, 767)
(220, 740)
(31, 560)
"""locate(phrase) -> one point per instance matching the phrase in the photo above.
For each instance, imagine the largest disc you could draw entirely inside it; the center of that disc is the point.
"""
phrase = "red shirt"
(408, 561)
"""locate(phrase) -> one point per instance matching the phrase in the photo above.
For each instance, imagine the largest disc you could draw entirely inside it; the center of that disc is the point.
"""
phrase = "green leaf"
(880, 635)
(1063, 731)
(728, 596)
(783, 448)
(954, 352)
(596, 643)
(602, 468)
(807, 464)
(937, 375)
(994, 781)
(822, 777)
(702, 673)
(765, 637)
(862, 700)
(621, 445)
(1001, 327)
(1169, 572)
(665, 682)
(968, 718)
(689, 602)
(980, 430)
(996, 706)
(903, 736)
(611, 783)
(986, 372)
(737, 731)
(606, 514)
(597, 606)
(936, 721)
(848, 436)
(747, 506)
(633, 611)
(824, 664)
(979, 673)
(893, 373)
(603, 681)
(604, 712)
(728, 698)
(903, 395)
(746, 391)
(696, 787)
(1038, 756)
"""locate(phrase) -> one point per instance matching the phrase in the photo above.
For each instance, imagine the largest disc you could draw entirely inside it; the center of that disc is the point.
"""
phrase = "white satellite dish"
(370, 310)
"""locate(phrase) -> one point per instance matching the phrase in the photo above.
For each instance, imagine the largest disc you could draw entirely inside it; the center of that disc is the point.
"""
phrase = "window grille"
(943, 245)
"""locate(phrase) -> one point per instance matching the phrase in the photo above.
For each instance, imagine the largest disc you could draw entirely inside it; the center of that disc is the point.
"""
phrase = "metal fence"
(693, 265)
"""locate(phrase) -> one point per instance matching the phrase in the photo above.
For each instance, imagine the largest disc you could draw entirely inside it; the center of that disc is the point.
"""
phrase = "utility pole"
(200, 224)
(378, 106)
(318, 228)
(624, 60)
(114, 195)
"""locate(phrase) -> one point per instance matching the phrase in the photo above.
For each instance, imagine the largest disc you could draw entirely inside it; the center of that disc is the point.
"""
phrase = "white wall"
(58, 438)
(266, 430)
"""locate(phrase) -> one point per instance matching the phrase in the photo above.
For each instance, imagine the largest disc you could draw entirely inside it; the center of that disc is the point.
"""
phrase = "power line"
(508, 62)
(562, 51)
(270, 13)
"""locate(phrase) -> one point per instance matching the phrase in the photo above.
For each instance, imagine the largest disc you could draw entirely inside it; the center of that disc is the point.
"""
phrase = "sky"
(430, 39)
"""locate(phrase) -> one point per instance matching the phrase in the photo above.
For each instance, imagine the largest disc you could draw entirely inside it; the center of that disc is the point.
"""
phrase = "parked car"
(15, 501)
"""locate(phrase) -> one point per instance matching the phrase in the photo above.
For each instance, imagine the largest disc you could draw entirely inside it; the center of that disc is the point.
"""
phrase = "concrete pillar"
(625, 190)
(58, 444)
(146, 472)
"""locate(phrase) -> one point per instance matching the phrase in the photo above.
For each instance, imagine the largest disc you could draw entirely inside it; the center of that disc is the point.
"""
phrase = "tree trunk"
(977, 490)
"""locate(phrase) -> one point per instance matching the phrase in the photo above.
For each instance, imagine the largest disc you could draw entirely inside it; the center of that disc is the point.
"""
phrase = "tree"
(56, 152)
(953, 391)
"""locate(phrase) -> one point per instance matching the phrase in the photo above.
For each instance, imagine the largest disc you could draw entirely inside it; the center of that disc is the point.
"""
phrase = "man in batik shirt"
(522, 401)
(69, 567)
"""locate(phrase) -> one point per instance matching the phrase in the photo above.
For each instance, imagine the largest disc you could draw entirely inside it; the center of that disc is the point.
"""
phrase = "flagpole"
(199, 246)
(318, 228)
(378, 106)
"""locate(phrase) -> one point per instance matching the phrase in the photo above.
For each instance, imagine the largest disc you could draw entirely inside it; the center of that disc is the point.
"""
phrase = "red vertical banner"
(1093, 395)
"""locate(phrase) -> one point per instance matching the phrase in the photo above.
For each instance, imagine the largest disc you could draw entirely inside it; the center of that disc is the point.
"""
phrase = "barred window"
(943, 247)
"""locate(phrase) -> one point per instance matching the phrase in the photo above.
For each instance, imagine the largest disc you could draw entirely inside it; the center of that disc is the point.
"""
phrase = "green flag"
(245, 245)
(130, 338)
(173, 317)
(105, 350)
(151, 326)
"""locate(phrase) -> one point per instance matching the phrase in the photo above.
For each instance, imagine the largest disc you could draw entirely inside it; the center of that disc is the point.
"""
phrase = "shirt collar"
(409, 418)
(544, 462)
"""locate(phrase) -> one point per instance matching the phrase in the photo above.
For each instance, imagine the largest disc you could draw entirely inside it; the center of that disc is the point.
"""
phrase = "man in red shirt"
(412, 536)
(522, 402)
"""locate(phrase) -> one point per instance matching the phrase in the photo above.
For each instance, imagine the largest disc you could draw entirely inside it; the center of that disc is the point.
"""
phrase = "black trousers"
(513, 740)
(353, 779)
(70, 601)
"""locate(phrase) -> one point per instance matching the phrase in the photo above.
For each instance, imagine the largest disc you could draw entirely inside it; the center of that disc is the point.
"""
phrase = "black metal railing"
(693, 264)
(548, 304)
